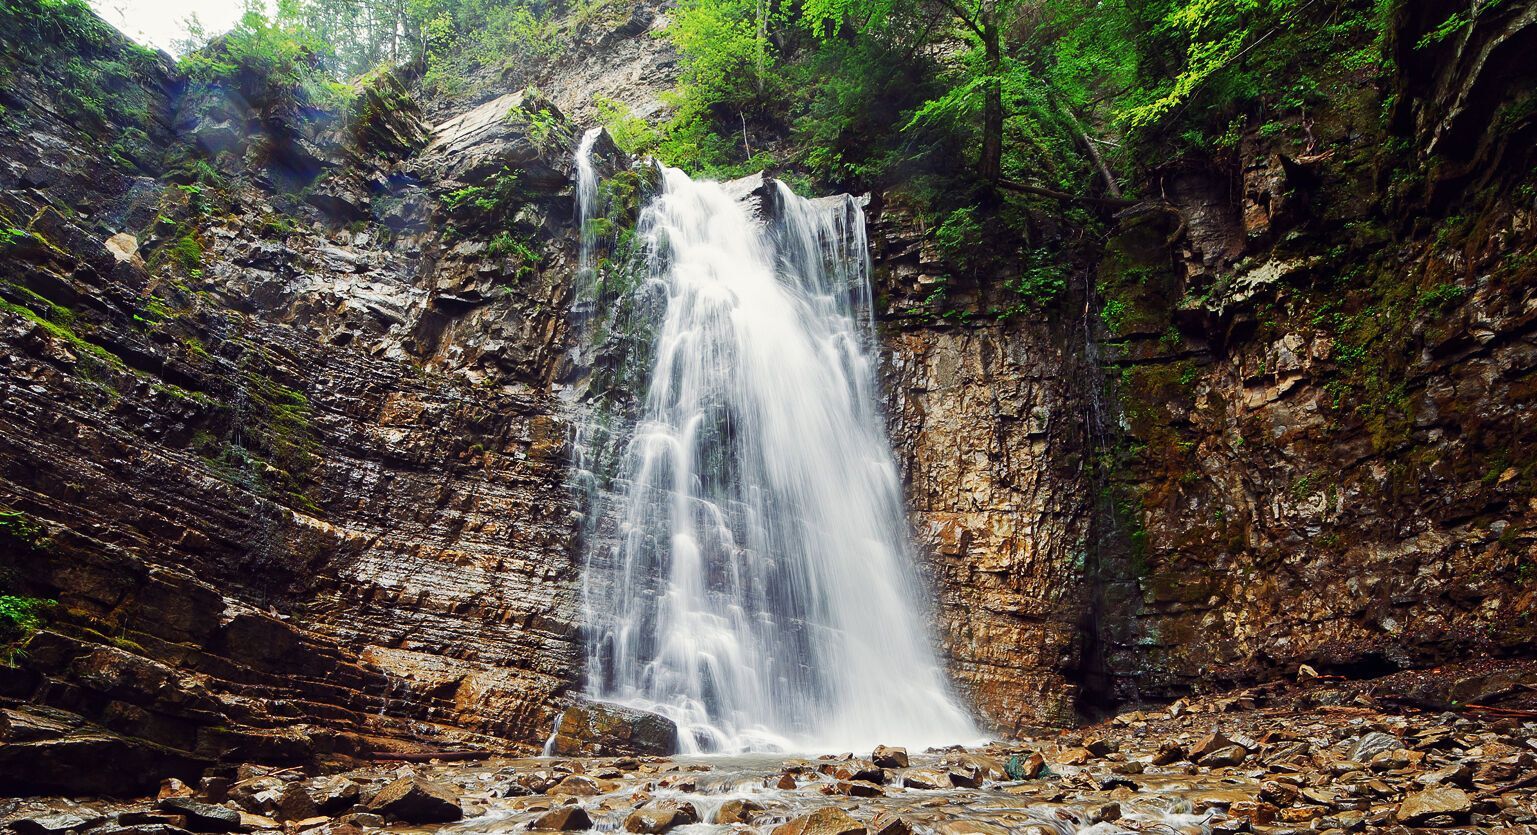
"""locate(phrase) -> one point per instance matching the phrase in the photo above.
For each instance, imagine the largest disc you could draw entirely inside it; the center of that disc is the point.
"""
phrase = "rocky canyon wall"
(1298, 431)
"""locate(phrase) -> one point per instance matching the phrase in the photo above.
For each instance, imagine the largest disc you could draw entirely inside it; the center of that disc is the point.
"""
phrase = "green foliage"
(269, 62)
(631, 133)
(541, 124)
(20, 618)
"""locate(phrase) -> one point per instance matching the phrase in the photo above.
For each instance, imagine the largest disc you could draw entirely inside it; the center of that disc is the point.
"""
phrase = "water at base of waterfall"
(748, 568)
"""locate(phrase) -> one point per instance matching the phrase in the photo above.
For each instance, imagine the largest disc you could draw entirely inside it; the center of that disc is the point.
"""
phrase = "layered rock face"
(280, 439)
(1307, 438)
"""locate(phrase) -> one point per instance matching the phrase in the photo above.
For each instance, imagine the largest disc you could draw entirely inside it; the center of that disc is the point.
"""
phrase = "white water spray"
(758, 586)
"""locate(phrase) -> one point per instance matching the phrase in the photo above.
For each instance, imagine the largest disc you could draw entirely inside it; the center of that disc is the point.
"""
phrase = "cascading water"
(757, 585)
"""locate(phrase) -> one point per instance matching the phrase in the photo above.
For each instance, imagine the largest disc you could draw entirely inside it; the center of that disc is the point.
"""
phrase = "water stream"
(757, 582)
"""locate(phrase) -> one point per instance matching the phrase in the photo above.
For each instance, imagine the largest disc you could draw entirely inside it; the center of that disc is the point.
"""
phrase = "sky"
(160, 23)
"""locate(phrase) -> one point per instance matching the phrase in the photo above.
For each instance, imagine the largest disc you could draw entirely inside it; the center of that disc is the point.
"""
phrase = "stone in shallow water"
(660, 816)
(562, 819)
(602, 730)
(887, 756)
(824, 821)
(415, 800)
(736, 811)
(926, 778)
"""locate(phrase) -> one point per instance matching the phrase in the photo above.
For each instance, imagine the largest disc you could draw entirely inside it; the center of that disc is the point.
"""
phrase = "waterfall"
(757, 583)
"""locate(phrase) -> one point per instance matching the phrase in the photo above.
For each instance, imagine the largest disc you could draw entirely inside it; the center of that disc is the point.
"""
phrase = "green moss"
(88, 352)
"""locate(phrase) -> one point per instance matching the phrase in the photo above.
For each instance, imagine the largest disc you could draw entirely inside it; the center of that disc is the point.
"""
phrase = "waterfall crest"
(757, 582)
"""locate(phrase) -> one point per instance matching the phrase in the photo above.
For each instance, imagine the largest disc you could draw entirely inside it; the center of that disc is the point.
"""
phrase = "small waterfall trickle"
(756, 582)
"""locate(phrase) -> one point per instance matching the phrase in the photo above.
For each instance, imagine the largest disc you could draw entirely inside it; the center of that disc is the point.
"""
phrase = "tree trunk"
(990, 166)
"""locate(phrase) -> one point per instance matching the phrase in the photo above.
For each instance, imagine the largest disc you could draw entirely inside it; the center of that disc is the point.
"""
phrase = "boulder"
(562, 819)
(660, 816)
(825, 821)
(1026, 767)
(926, 778)
(414, 800)
(52, 824)
(202, 817)
(1225, 756)
(887, 756)
(1169, 753)
(1372, 744)
(1421, 806)
(602, 730)
(859, 770)
(886, 823)
(575, 785)
(736, 811)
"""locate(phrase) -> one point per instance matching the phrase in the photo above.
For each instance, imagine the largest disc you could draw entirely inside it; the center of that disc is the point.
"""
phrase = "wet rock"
(825, 821)
(786, 781)
(214, 789)
(1226, 756)
(736, 811)
(968, 827)
(887, 823)
(1208, 744)
(859, 770)
(1108, 813)
(889, 757)
(1026, 767)
(335, 794)
(1372, 744)
(926, 778)
(660, 816)
(1452, 775)
(258, 795)
(1169, 753)
(172, 787)
(859, 788)
(575, 785)
(1075, 756)
(53, 824)
(562, 819)
(1100, 747)
(966, 776)
(414, 800)
(599, 730)
(202, 817)
(295, 804)
(1432, 802)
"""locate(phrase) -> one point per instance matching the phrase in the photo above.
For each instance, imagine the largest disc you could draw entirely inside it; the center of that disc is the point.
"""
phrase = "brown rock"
(1225, 756)
(859, 788)
(562, 819)
(1433, 801)
(887, 823)
(604, 730)
(660, 816)
(786, 781)
(889, 757)
(415, 800)
(1169, 753)
(575, 785)
(1208, 744)
(825, 821)
(172, 787)
(926, 778)
(736, 811)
